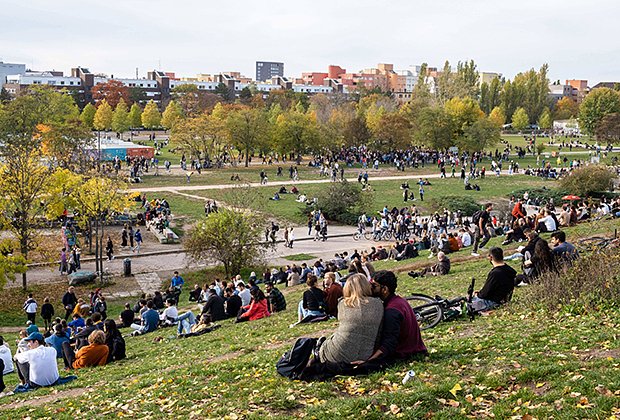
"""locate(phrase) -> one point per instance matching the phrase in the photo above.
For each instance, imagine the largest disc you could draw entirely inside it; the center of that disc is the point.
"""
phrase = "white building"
(9, 69)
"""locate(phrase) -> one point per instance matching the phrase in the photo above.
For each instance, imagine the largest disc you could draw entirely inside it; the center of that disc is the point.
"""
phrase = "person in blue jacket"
(55, 340)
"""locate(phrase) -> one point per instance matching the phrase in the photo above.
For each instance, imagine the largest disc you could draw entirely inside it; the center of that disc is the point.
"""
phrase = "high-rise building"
(265, 70)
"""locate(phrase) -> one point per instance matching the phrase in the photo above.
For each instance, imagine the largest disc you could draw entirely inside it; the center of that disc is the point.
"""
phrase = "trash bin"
(127, 267)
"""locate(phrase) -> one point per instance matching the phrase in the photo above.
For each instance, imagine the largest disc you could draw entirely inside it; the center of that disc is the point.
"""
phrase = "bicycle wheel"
(356, 236)
(387, 235)
(368, 236)
(593, 244)
(427, 311)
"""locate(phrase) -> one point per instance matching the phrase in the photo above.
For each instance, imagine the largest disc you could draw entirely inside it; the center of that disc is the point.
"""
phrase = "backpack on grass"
(294, 361)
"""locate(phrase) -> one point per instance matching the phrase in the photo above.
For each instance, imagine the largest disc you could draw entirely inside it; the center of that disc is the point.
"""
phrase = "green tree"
(391, 132)
(229, 237)
(520, 119)
(103, 116)
(464, 112)
(528, 90)
(595, 106)
(135, 116)
(4, 96)
(434, 128)
(171, 115)
(483, 133)
(248, 128)
(151, 118)
(545, 122)
(88, 115)
(120, 119)
(490, 95)
(224, 93)
(66, 144)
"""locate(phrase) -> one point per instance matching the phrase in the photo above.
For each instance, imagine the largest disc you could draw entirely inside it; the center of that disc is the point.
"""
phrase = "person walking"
(124, 237)
(69, 300)
(30, 307)
(109, 249)
(63, 261)
(131, 235)
(138, 237)
(47, 312)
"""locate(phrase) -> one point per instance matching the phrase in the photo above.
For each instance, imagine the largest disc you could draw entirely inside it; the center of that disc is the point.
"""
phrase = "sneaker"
(523, 284)
(475, 254)
(430, 256)
(505, 243)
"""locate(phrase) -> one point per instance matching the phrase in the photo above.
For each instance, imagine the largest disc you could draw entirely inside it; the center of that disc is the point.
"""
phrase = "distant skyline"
(578, 39)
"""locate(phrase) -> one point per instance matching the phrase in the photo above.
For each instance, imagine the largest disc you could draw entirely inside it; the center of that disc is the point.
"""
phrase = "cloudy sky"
(579, 39)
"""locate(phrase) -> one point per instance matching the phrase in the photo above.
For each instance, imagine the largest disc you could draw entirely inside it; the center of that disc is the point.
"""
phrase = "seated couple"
(377, 328)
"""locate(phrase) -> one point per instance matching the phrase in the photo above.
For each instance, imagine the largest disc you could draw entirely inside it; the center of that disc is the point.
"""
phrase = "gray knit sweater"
(357, 332)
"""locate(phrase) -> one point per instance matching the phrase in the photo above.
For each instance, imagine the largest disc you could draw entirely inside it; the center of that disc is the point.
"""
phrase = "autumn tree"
(295, 132)
(151, 118)
(191, 100)
(171, 115)
(565, 109)
(112, 91)
(464, 112)
(490, 95)
(88, 115)
(595, 106)
(120, 119)
(391, 132)
(135, 116)
(608, 129)
(67, 144)
(103, 116)
(520, 119)
(498, 116)
(528, 90)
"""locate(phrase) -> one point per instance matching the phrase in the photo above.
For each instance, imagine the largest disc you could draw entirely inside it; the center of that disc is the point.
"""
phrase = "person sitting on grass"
(214, 307)
(333, 293)
(275, 299)
(202, 327)
(127, 317)
(114, 340)
(81, 338)
(94, 354)
(194, 295)
(440, 269)
(55, 340)
(233, 302)
(565, 251)
(257, 308)
(312, 303)
(499, 284)
(170, 315)
(37, 367)
(150, 320)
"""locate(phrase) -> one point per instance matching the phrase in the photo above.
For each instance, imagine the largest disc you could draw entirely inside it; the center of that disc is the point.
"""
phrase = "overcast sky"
(579, 39)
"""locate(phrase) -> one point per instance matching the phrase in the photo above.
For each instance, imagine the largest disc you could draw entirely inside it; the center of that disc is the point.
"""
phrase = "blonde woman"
(359, 316)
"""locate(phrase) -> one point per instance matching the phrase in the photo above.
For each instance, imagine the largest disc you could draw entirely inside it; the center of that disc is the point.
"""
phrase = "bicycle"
(598, 243)
(359, 235)
(382, 235)
(430, 311)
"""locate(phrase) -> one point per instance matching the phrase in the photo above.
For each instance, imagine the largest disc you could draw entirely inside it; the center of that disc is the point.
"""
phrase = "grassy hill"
(518, 362)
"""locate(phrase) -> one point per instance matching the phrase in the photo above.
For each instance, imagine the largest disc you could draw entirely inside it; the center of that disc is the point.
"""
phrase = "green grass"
(513, 362)
(299, 257)
(387, 193)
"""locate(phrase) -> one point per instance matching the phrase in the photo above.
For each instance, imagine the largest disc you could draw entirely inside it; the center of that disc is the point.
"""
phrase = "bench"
(166, 237)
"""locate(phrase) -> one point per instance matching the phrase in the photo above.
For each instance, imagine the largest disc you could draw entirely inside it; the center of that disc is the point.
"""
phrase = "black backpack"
(294, 361)
(476, 217)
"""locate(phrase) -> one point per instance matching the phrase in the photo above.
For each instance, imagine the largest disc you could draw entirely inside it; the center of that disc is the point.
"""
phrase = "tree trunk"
(247, 156)
(97, 245)
(24, 251)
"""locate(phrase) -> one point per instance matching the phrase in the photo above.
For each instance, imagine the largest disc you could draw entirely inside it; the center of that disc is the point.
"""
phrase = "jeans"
(185, 322)
(477, 235)
(483, 304)
(303, 312)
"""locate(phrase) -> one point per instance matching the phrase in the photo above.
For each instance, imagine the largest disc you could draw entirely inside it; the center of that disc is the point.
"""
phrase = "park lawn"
(386, 193)
(515, 362)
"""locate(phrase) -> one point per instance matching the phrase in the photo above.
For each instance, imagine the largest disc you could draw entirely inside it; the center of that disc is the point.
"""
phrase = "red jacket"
(256, 310)
(517, 210)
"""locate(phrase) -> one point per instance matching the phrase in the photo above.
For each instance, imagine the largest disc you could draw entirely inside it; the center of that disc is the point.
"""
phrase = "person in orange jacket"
(257, 308)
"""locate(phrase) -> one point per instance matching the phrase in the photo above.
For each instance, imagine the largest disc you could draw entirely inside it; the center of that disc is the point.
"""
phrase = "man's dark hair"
(497, 254)
(386, 278)
(150, 304)
(89, 322)
(57, 329)
(96, 316)
(142, 302)
(170, 301)
(212, 292)
(559, 235)
(488, 205)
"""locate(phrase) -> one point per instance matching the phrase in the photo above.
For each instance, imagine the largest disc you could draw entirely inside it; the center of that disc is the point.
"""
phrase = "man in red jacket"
(518, 211)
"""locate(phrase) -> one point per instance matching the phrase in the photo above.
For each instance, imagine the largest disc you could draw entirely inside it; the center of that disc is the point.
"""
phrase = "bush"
(587, 180)
(591, 282)
(542, 194)
(455, 202)
(342, 202)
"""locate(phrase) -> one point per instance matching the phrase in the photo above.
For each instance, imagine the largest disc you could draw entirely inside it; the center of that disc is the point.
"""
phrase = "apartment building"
(9, 69)
(265, 70)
